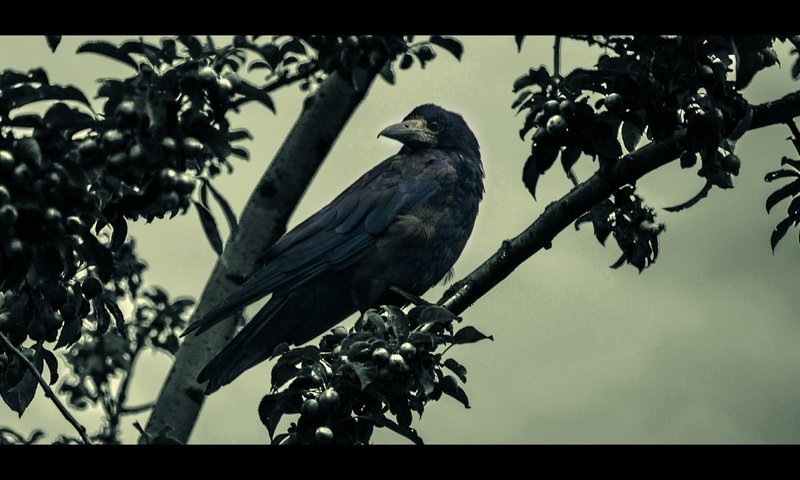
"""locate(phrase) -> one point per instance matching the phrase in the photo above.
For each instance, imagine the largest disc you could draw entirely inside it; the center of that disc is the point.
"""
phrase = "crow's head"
(431, 126)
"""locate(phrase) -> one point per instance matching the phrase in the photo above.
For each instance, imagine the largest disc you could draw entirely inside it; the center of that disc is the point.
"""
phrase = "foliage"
(387, 364)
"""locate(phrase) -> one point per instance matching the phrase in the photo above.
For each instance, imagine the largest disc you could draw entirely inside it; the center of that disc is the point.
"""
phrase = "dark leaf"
(692, 201)
(530, 175)
(192, 44)
(604, 141)
(108, 50)
(620, 261)
(270, 410)
(52, 365)
(782, 193)
(631, 134)
(240, 152)
(521, 98)
(406, 61)
(772, 176)
(280, 349)
(518, 39)
(283, 372)
(239, 134)
(456, 368)
(688, 159)
(293, 46)
(436, 314)
(119, 233)
(400, 324)
(387, 73)
(209, 227)
(535, 76)
(253, 93)
(450, 44)
(381, 421)
(789, 161)
(365, 372)
(101, 314)
(20, 395)
(780, 231)
(426, 380)
(70, 332)
(256, 64)
(469, 335)
(450, 387)
(119, 319)
(796, 69)
(230, 217)
(53, 41)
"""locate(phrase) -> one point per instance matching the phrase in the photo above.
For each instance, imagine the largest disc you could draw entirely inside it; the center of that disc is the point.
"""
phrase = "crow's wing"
(338, 233)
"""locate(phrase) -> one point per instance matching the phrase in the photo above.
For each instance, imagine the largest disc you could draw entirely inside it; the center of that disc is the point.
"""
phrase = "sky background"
(700, 348)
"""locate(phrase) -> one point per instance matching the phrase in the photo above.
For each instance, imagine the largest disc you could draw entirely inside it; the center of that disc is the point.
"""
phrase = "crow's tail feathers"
(254, 344)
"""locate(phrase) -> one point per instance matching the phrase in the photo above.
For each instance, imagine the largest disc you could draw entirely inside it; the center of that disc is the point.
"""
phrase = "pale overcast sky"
(701, 347)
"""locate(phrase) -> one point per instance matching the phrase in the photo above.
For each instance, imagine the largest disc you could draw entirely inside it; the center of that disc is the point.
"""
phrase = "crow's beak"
(411, 132)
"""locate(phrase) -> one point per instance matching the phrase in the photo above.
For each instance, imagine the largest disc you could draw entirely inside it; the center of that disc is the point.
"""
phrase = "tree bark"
(262, 222)
(563, 212)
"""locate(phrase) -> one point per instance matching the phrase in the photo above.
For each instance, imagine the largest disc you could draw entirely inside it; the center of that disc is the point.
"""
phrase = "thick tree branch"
(563, 212)
(48, 392)
(262, 222)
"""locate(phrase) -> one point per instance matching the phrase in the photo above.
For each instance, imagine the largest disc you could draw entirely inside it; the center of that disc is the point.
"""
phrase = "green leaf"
(456, 368)
(108, 50)
(450, 44)
(53, 41)
(450, 387)
(209, 227)
(780, 231)
(469, 335)
(782, 193)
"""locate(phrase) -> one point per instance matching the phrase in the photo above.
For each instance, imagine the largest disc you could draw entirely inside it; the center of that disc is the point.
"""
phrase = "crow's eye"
(435, 126)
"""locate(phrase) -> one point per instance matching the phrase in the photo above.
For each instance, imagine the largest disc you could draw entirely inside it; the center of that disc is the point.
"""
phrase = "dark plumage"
(403, 223)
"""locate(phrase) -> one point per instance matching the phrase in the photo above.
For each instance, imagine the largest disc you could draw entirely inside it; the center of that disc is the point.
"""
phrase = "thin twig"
(48, 392)
(136, 409)
(557, 56)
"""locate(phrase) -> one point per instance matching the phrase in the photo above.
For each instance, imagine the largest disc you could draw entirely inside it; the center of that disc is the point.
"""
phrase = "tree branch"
(262, 222)
(48, 392)
(563, 212)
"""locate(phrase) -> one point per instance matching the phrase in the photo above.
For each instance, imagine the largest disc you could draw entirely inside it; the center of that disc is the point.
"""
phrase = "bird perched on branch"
(402, 224)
